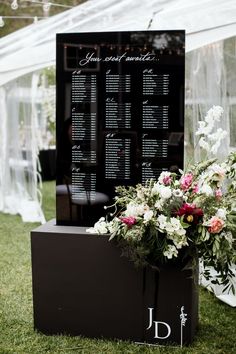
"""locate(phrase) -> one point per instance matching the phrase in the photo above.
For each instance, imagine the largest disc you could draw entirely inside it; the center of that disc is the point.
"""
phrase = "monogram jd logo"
(157, 326)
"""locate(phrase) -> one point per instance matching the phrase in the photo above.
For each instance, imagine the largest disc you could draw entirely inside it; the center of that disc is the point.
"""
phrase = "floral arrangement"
(190, 213)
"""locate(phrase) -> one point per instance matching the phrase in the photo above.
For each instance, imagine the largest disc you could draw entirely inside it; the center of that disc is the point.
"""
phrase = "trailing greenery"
(216, 332)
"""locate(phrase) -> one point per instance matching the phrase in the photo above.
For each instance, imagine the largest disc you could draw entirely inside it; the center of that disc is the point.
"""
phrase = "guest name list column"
(155, 118)
(117, 117)
(84, 122)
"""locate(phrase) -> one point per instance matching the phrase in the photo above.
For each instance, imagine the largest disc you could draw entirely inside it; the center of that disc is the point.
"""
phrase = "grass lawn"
(217, 330)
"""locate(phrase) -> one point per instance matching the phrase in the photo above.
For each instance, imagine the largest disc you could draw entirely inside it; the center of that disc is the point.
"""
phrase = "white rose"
(165, 192)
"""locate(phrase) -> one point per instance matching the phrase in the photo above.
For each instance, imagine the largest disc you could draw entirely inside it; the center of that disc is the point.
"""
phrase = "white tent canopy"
(33, 47)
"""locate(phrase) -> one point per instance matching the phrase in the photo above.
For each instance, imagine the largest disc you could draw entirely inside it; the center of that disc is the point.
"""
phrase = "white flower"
(175, 223)
(170, 252)
(205, 129)
(177, 193)
(202, 127)
(91, 230)
(131, 210)
(100, 227)
(165, 192)
(221, 213)
(112, 225)
(136, 209)
(148, 216)
(180, 242)
(169, 228)
(181, 231)
(161, 220)
(155, 189)
(159, 205)
(218, 135)
(214, 114)
(203, 144)
(206, 189)
(206, 126)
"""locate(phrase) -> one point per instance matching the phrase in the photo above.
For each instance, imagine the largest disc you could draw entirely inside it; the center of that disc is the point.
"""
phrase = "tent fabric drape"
(19, 150)
(33, 47)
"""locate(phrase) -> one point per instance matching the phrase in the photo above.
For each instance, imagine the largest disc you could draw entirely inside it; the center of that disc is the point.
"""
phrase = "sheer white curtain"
(206, 85)
(19, 129)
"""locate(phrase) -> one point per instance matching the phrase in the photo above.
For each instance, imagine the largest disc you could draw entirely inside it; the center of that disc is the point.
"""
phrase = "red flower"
(189, 210)
(128, 220)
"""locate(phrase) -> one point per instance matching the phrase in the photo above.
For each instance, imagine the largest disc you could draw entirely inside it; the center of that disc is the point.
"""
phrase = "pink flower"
(215, 225)
(186, 181)
(218, 193)
(128, 220)
(167, 180)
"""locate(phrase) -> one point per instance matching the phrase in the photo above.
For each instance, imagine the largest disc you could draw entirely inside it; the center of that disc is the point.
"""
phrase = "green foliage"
(202, 166)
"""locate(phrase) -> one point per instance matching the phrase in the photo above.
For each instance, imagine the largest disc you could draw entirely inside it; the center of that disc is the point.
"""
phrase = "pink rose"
(128, 220)
(215, 225)
(186, 181)
(195, 188)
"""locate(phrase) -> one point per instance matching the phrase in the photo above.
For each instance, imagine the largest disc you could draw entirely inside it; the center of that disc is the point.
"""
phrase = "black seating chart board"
(120, 115)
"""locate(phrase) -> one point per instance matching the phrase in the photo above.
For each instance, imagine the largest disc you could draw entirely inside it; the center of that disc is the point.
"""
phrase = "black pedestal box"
(82, 286)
